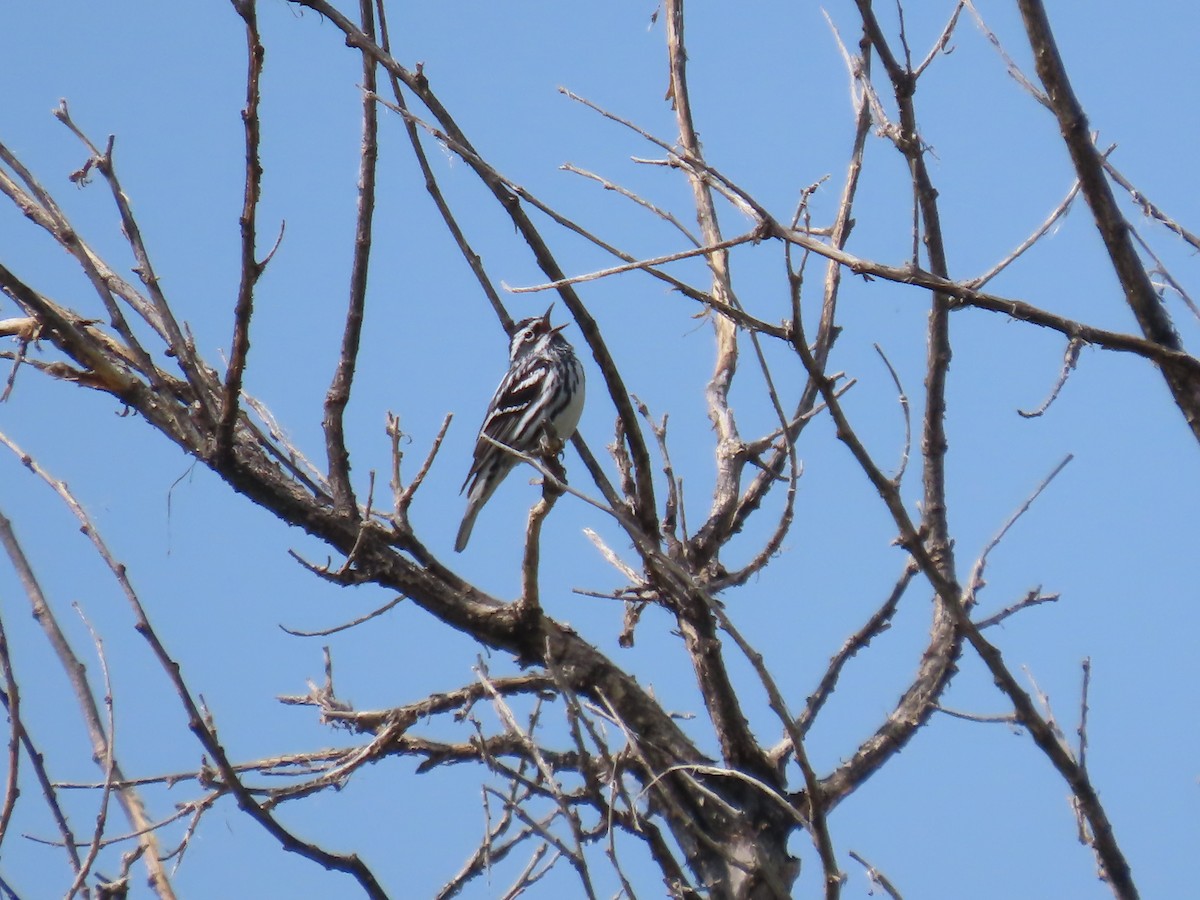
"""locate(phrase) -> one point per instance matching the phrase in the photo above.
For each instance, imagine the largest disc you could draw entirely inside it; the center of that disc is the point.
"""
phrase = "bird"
(536, 407)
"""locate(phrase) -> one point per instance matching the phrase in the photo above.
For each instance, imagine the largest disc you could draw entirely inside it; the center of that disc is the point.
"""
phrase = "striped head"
(535, 336)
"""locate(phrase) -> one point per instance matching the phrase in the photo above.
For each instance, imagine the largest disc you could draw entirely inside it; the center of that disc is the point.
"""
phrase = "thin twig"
(879, 622)
(108, 762)
(1083, 711)
(1169, 280)
(1070, 359)
(1038, 233)
(405, 497)
(982, 718)
(746, 238)
(345, 626)
(639, 200)
(1147, 207)
(11, 698)
(902, 398)
(939, 46)
(877, 877)
(1010, 64)
(975, 582)
(1034, 597)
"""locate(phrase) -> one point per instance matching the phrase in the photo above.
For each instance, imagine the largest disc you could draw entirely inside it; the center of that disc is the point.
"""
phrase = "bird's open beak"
(546, 319)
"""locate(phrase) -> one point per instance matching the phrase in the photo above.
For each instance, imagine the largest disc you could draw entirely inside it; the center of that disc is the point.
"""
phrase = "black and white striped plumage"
(542, 391)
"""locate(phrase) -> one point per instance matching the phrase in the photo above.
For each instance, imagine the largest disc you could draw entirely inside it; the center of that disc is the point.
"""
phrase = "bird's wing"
(506, 412)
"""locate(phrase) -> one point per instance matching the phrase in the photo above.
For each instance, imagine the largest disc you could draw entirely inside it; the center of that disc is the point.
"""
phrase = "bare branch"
(1010, 64)
(1016, 309)
(130, 801)
(878, 623)
(640, 201)
(404, 497)
(25, 329)
(1038, 233)
(1160, 270)
(904, 409)
(641, 264)
(1032, 598)
(160, 317)
(529, 603)
(1070, 359)
(251, 267)
(11, 698)
(108, 763)
(1114, 230)
(345, 626)
(943, 41)
(1148, 208)
(1086, 665)
(1001, 719)
(875, 876)
(350, 864)
(975, 582)
(338, 395)
(549, 780)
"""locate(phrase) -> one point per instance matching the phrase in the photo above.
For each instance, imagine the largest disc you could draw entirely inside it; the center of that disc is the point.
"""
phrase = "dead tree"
(615, 768)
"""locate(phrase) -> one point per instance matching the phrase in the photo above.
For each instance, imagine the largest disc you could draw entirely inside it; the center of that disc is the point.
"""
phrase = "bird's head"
(531, 333)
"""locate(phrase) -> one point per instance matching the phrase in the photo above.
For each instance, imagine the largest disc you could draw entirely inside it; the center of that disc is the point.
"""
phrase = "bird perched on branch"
(535, 408)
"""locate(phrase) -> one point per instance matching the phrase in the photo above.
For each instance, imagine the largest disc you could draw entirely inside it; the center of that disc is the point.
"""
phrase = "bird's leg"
(550, 450)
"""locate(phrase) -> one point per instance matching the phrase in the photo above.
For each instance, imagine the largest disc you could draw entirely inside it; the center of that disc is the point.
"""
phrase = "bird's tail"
(484, 484)
(464, 530)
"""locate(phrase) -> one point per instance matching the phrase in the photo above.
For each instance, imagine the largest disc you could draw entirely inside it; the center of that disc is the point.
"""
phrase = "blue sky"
(967, 809)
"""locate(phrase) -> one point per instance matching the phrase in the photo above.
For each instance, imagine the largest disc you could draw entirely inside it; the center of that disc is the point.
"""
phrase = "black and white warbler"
(540, 398)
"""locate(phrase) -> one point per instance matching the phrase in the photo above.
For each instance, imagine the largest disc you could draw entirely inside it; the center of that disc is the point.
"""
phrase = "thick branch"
(1114, 230)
